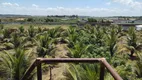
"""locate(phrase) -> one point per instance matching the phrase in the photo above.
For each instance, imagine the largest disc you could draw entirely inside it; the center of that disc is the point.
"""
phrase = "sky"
(72, 7)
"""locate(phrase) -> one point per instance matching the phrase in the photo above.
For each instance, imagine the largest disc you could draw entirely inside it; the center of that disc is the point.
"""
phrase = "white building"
(138, 27)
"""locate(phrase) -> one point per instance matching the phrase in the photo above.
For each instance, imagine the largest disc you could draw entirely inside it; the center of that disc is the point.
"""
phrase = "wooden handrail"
(104, 64)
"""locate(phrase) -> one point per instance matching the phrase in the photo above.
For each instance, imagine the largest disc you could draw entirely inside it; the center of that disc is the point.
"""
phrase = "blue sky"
(70, 7)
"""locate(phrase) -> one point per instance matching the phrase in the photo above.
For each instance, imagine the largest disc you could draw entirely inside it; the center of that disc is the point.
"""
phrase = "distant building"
(120, 21)
(138, 21)
(138, 27)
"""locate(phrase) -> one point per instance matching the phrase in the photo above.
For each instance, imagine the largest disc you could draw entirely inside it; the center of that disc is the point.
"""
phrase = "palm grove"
(122, 49)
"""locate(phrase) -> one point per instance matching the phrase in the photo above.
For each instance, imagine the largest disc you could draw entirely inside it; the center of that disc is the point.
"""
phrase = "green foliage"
(6, 33)
(30, 19)
(92, 20)
(21, 29)
(82, 42)
(55, 32)
(138, 66)
(132, 40)
(78, 50)
(16, 64)
(111, 41)
(83, 72)
(8, 45)
(39, 30)
(45, 45)
(1, 26)
(31, 32)
(17, 41)
(49, 20)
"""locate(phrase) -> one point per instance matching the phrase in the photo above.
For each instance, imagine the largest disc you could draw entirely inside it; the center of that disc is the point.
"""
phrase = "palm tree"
(138, 66)
(21, 29)
(132, 40)
(45, 45)
(6, 33)
(78, 50)
(132, 45)
(55, 32)
(73, 73)
(72, 39)
(82, 72)
(31, 34)
(39, 29)
(71, 30)
(16, 63)
(111, 40)
(99, 35)
(17, 41)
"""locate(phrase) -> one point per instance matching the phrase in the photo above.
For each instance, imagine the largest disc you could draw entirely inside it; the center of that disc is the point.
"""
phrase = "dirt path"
(58, 70)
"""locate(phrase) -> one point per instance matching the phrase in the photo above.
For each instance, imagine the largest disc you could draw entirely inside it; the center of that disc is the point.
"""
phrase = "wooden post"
(102, 71)
(39, 70)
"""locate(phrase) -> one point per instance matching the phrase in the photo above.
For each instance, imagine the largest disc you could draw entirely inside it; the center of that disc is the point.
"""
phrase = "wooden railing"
(103, 64)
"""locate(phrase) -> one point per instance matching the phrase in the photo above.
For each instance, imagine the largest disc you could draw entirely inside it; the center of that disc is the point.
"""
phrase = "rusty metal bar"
(70, 60)
(30, 69)
(102, 71)
(39, 70)
(103, 62)
(111, 70)
(50, 73)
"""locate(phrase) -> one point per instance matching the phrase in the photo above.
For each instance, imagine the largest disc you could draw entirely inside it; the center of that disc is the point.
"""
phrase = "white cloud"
(7, 4)
(108, 3)
(131, 3)
(88, 11)
(34, 5)
(16, 4)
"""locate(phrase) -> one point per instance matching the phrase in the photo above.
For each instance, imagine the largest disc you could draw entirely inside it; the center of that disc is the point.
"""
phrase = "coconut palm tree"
(31, 34)
(6, 33)
(45, 45)
(78, 50)
(21, 29)
(82, 72)
(138, 66)
(131, 46)
(72, 39)
(17, 41)
(55, 32)
(16, 63)
(99, 35)
(111, 40)
(71, 30)
(132, 40)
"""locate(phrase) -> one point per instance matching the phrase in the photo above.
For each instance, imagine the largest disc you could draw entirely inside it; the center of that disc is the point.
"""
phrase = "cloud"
(7, 4)
(34, 5)
(108, 3)
(34, 9)
(130, 3)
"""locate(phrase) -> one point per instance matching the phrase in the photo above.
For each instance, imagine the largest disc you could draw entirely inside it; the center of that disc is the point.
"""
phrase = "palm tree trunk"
(132, 52)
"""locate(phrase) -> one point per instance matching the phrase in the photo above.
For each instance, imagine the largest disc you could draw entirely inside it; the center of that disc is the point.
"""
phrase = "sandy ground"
(58, 70)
